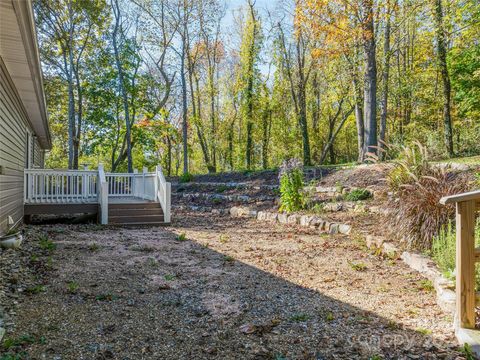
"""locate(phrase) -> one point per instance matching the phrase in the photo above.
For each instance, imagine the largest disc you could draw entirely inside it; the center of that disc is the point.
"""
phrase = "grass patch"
(181, 237)
(72, 287)
(359, 266)
(426, 285)
(300, 317)
(170, 277)
(224, 238)
(423, 331)
(36, 289)
(229, 258)
(221, 189)
(93, 247)
(358, 195)
(45, 243)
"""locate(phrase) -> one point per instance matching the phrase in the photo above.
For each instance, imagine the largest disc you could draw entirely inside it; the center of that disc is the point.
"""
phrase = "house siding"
(13, 146)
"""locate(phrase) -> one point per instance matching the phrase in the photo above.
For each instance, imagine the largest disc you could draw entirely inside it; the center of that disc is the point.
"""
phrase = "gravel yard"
(214, 288)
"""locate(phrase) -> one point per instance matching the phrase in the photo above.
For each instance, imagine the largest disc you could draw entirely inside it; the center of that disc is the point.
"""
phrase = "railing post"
(168, 191)
(145, 170)
(103, 195)
(465, 263)
(156, 184)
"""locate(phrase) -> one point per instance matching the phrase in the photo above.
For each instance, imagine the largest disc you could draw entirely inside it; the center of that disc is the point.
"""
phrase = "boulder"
(293, 219)
(282, 218)
(272, 216)
(344, 229)
(334, 228)
(261, 216)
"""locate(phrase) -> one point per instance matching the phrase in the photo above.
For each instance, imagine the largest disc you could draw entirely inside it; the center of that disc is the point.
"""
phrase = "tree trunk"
(385, 77)
(249, 94)
(370, 90)
(442, 64)
(359, 118)
(123, 90)
(184, 109)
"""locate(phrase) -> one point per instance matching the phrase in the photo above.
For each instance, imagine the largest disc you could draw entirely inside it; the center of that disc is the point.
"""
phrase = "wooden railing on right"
(467, 208)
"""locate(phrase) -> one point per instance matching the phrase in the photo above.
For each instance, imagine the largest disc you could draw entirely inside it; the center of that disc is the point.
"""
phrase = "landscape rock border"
(311, 221)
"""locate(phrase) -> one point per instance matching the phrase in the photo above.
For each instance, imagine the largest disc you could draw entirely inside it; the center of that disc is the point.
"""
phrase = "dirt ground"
(226, 289)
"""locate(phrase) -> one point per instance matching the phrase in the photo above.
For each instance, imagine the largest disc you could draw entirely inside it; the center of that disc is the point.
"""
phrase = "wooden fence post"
(465, 277)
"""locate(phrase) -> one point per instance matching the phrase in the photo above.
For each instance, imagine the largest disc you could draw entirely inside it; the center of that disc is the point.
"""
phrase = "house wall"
(14, 132)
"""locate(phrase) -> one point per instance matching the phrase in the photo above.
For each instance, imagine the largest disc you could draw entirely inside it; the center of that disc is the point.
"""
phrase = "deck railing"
(467, 208)
(163, 192)
(83, 186)
(60, 186)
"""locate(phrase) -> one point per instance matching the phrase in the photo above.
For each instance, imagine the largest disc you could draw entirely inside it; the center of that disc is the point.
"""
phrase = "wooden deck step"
(135, 213)
(135, 219)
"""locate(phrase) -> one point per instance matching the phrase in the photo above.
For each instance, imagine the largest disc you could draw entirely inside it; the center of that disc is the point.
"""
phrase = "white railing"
(60, 186)
(81, 186)
(163, 191)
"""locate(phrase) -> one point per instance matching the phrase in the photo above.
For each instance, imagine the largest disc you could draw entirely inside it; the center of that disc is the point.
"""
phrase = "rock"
(390, 250)
(293, 219)
(282, 218)
(344, 229)
(252, 213)
(334, 228)
(261, 216)
(234, 211)
(272, 216)
(334, 207)
(305, 220)
(315, 221)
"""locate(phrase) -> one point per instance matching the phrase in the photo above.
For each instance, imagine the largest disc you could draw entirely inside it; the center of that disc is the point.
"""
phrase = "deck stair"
(141, 213)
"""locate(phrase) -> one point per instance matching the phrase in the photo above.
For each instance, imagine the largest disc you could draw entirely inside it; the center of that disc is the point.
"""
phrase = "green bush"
(358, 195)
(291, 186)
(186, 177)
(444, 250)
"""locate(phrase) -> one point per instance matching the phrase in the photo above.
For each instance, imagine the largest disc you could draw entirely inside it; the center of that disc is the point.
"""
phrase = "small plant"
(224, 238)
(423, 331)
(300, 317)
(23, 340)
(339, 187)
(216, 201)
(93, 247)
(466, 350)
(426, 285)
(358, 195)
(291, 186)
(181, 237)
(169, 277)
(229, 258)
(186, 178)
(358, 266)
(329, 316)
(72, 287)
(36, 289)
(318, 208)
(45, 243)
(152, 262)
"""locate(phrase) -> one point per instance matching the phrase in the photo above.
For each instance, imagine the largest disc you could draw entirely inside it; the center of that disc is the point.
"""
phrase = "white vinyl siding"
(13, 142)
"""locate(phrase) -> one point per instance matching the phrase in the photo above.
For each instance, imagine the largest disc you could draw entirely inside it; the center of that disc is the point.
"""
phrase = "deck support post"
(465, 263)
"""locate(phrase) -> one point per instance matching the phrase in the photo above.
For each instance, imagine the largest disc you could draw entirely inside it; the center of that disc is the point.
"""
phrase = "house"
(24, 131)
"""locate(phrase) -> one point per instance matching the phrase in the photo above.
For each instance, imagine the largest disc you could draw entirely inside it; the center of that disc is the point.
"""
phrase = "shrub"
(291, 185)
(186, 177)
(411, 164)
(418, 215)
(444, 250)
(358, 194)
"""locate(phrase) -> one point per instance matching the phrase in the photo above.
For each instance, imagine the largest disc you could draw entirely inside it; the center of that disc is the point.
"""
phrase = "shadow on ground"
(146, 293)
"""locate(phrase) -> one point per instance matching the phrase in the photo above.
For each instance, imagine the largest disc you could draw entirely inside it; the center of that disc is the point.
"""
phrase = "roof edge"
(26, 21)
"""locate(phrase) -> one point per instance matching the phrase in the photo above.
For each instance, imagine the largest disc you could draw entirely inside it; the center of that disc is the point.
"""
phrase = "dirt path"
(233, 289)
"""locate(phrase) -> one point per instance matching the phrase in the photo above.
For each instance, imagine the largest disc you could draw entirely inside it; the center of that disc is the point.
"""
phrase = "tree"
(441, 44)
